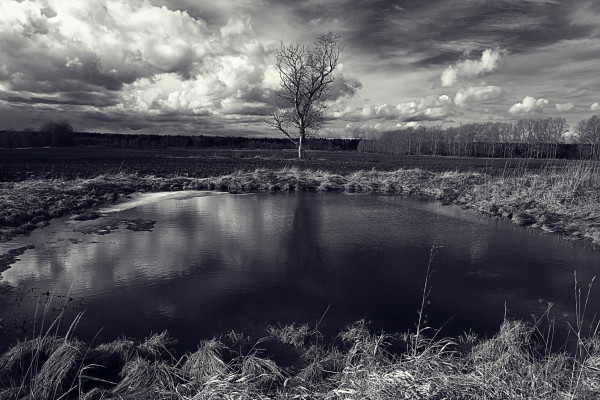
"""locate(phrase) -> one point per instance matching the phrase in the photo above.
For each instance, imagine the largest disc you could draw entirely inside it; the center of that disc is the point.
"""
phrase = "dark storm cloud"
(80, 98)
(164, 123)
(438, 31)
(344, 87)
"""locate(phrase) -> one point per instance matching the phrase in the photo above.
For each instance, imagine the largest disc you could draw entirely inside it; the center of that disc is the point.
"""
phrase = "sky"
(208, 67)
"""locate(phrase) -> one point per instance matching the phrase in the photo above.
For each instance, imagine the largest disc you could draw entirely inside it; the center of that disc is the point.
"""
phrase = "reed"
(517, 362)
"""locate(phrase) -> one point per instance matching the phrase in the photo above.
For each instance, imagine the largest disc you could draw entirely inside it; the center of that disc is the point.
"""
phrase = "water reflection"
(213, 263)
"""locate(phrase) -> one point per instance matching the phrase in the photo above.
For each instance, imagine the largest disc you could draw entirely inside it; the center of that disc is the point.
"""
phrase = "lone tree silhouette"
(306, 73)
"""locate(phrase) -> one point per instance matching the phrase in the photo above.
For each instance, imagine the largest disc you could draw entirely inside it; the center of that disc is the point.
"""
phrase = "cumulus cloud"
(490, 59)
(595, 106)
(362, 130)
(103, 44)
(153, 60)
(476, 93)
(562, 107)
(427, 108)
(528, 105)
(370, 130)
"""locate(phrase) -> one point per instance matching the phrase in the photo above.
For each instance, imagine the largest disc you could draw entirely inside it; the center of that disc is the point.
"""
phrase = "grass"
(516, 363)
(561, 198)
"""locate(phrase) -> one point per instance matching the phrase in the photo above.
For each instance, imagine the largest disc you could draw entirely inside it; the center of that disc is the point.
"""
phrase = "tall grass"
(519, 362)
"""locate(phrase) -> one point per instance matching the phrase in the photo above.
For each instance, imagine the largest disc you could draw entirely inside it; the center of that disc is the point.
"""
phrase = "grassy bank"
(562, 199)
(359, 364)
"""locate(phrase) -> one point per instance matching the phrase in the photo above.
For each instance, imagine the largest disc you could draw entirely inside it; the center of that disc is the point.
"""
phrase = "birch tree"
(306, 73)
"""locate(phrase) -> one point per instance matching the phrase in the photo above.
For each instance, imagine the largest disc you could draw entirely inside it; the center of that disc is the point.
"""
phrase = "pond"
(201, 264)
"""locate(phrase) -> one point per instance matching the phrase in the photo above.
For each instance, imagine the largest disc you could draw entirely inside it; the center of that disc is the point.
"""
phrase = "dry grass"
(561, 198)
(290, 334)
(59, 373)
(361, 364)
(206, 362)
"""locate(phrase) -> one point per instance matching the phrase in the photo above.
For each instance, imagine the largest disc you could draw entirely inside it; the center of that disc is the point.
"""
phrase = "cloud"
(134, 58)
(343, 86)
(206, 64)
(362, 131)
(427, 108)
(370, 130)
(528, 105)
(595, 106)
(490, 59)
(564, 106)
(99, 44)
(586, 13)
(476, 93)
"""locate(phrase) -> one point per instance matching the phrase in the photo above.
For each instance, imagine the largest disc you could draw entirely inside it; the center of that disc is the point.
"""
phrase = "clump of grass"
(362, 365)
(263, 373)
(364, 348)
(206, 362)
(156, 346)
(291, 334)
(142, 376)
(22, 358)
(58, 374)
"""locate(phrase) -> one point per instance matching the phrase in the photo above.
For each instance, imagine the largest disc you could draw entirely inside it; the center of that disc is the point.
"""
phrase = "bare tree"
(306, 73)
(588, 132)
(61, 132)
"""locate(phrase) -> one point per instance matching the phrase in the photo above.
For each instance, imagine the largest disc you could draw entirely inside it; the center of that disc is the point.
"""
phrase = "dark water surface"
(216, 262)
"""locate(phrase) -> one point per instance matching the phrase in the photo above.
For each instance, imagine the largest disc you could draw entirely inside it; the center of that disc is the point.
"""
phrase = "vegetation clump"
(357, 364)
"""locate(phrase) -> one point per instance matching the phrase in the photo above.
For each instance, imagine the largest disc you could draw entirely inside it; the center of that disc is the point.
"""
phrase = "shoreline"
(292, 362)
(558, 201)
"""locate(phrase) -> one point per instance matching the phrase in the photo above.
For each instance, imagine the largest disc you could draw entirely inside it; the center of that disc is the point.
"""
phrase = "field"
(557, 197)
(37, 185)
(21, 164)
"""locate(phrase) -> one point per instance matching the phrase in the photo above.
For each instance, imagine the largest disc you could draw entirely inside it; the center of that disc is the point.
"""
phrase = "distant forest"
(45, 138)
(526, 138)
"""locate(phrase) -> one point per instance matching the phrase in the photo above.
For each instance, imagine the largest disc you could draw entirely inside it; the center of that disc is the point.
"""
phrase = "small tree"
(306, 73)
(61, 132)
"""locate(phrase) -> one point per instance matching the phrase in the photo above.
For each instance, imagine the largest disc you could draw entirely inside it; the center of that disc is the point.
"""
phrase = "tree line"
(527, 138)
(63, 135)
(146, 141)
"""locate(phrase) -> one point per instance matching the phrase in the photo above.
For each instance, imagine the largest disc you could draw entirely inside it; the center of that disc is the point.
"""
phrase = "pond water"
(201, 264)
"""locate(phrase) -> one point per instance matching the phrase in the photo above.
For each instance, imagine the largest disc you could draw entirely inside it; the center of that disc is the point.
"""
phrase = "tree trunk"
(301, 150)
